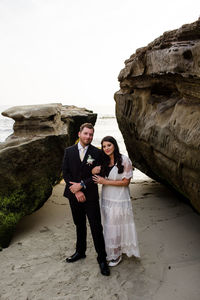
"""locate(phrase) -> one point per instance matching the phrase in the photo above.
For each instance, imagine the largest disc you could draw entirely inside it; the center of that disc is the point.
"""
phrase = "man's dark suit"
(74, 170)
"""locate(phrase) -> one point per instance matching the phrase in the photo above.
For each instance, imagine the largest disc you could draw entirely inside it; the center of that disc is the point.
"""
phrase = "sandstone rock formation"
(158, 109)
(31, 158)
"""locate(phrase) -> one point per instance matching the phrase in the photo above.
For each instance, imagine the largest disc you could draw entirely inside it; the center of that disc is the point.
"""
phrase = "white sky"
(71, 51)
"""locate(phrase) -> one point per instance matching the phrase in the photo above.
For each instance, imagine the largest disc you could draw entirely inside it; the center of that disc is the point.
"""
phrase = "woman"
(118, 223)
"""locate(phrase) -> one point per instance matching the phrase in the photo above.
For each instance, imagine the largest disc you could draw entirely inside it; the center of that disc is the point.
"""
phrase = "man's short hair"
(87, 125)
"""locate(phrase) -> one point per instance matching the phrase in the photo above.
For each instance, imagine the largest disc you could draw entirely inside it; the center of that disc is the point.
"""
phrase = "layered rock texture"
(158, 109)
(31, 158)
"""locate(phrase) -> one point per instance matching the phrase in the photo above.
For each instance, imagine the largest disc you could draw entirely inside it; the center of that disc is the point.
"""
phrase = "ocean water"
(106, 125)
(6, 125)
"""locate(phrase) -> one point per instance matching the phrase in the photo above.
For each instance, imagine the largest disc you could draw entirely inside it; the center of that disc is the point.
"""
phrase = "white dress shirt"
(81, 147)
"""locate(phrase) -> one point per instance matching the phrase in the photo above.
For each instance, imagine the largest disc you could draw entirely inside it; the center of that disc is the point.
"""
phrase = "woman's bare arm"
(101, 180)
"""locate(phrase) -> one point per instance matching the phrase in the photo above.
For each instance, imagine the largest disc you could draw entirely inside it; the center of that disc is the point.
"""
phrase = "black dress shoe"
(104, 268)
(76, 256)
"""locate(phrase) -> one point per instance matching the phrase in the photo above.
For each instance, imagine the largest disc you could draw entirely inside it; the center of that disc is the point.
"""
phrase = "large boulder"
(31, 158)
(158, 109)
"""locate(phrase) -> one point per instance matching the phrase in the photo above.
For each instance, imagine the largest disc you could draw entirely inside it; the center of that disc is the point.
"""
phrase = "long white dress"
(117, 215)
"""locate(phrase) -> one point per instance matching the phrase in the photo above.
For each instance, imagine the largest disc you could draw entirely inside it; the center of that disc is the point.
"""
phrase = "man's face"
(86, 136)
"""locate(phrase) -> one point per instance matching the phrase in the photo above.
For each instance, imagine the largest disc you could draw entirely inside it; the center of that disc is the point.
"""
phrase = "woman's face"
(108, 148)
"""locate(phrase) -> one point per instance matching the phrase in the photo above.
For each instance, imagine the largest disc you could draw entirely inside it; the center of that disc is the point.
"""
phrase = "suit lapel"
(86, 154)
(77, 156)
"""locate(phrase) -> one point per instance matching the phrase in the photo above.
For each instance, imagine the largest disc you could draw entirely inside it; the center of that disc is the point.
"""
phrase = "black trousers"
(91, 209)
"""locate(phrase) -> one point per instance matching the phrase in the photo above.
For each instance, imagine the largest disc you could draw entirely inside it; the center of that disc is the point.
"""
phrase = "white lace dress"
(117, 215)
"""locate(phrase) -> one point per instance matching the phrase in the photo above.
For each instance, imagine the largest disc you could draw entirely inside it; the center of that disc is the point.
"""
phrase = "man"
(82, 192)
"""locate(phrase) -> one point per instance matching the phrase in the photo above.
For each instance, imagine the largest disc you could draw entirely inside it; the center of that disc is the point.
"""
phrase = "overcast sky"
(71, 51)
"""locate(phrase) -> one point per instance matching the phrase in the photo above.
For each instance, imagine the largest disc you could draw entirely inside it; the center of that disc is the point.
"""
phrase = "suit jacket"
(75, 170)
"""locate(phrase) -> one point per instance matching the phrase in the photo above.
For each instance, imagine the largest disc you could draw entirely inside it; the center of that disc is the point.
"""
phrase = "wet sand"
(34, 267)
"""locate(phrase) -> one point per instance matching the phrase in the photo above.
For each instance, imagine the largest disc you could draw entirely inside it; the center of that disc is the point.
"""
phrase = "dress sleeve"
(128, 168)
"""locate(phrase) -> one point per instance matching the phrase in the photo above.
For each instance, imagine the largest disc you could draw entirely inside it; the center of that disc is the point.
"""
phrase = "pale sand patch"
(34, 267)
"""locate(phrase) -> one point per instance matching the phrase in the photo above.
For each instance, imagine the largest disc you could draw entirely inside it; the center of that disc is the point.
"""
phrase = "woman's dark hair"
(106, 158)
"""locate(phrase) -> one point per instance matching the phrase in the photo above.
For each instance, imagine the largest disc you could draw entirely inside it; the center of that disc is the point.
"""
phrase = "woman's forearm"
(124, 182)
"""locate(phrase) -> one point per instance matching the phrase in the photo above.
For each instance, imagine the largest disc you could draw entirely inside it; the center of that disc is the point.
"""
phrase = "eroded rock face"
(158, 109)
(31, 158)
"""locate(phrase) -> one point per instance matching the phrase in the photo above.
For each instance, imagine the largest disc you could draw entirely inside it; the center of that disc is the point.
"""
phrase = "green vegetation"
(7, 226)
(20, 202)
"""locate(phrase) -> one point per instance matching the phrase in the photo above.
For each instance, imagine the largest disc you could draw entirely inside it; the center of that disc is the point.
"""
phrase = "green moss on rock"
(8, 221)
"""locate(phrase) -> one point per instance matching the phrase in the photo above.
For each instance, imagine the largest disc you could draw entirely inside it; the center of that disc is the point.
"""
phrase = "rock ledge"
(31, 158)
(158, 109)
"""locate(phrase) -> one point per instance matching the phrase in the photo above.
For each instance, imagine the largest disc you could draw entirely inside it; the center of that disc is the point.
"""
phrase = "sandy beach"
(34, 267)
